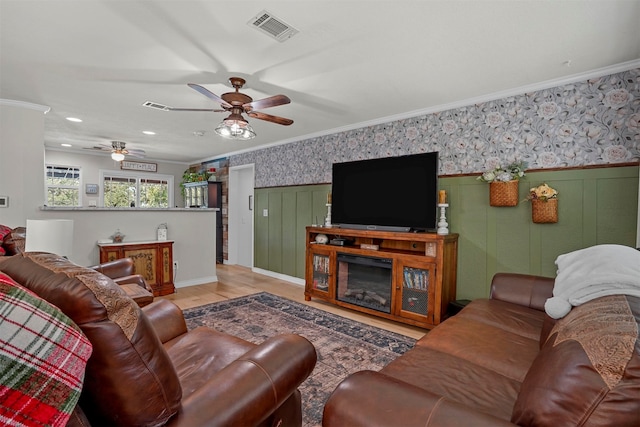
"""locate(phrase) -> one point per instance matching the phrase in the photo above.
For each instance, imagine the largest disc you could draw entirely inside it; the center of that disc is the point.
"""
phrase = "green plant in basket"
(542, 192)
(512, 172)
(191, 176)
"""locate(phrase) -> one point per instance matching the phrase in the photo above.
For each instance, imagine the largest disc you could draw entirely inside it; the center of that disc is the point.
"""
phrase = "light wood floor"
(235, 281)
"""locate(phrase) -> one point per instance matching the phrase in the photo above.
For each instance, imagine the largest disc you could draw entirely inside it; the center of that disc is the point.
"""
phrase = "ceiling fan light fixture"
(235, 127)
(118, 157)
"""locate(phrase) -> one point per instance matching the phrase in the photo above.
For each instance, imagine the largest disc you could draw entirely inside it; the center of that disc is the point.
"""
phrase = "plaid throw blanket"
(43, 355)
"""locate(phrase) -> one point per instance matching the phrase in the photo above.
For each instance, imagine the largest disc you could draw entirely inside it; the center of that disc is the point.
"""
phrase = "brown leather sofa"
(146, 369)
(122, 271)
(14, 242)
(502, 362)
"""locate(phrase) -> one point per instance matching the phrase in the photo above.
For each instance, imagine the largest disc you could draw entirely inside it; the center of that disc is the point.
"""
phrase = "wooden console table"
(422, 268)
(153, 260)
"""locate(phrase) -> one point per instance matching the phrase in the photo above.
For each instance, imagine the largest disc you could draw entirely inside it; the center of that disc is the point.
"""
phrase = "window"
(62, 185)
(136, 190)
(119, 192)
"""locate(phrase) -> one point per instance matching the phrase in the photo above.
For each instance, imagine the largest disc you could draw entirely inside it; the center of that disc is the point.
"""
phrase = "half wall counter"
(191, 231)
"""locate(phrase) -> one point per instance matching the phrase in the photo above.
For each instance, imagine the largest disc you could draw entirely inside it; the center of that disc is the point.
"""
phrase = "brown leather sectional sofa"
(146, 369)
(122, 271)
(502, 362)
(14, 242)
(499, 362)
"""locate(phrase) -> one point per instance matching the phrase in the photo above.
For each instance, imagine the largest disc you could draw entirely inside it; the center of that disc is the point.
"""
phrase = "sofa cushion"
(504, 352)
(547, 326)
(201, 354)
(456, 379)
(43, 356)
(130, 379)
(589, 368)
(520, 320)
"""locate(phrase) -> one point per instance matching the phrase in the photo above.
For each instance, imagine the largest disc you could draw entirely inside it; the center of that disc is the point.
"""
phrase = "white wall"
(22, 159)
(192, 230)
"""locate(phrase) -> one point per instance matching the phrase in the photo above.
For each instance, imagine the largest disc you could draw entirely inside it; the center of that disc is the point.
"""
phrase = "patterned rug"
(344, 346)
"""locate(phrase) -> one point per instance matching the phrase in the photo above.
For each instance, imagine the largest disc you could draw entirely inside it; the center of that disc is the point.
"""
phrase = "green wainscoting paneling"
(280, 236)
(595, 206)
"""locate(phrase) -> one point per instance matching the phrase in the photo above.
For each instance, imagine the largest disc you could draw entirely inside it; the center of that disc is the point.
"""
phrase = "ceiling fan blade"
(136, 154)
(270, 118)
(206, 92)
(100, 148)
(272, 101)
(135, 151)
(195, 109)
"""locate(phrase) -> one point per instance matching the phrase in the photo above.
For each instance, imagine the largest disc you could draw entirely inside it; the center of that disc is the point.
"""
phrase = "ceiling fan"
(118, 150)
(235, 126)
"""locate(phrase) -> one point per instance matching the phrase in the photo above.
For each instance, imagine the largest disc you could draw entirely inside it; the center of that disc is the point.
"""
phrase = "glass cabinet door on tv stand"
(320, 272)
(416, 290)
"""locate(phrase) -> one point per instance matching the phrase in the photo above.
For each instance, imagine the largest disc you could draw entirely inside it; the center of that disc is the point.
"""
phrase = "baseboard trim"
(286, 278)
(198, 281)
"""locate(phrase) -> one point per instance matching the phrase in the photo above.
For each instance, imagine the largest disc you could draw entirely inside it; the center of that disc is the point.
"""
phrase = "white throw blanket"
(591, 273)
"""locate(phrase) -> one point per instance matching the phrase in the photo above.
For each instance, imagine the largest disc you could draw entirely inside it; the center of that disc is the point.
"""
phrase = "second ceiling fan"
(235, 126)
(118, 150)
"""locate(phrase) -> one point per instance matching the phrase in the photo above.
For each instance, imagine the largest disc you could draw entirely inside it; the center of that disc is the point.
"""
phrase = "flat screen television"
(391, 193)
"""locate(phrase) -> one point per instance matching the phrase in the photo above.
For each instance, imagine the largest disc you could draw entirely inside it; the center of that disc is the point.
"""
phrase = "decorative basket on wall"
(544, 212)
(503, 193)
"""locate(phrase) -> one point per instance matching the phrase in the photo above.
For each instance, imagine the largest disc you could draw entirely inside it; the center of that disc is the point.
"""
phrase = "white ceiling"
(351, 62)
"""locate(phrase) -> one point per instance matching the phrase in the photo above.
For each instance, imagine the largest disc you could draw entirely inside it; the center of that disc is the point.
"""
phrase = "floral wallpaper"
(592, 122)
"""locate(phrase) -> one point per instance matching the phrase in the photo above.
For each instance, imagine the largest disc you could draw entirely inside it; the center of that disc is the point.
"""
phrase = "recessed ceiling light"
(74, 119)
(148, 132)
(66, 145)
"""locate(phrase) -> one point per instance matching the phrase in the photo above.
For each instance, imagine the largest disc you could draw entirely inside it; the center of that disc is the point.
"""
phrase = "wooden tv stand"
(423, 271)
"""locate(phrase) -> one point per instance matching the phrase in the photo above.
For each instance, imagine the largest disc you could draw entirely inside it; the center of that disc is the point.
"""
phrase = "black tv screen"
(391, 193)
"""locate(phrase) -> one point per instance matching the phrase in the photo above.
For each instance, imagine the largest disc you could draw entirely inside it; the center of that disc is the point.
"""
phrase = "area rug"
(344, 346)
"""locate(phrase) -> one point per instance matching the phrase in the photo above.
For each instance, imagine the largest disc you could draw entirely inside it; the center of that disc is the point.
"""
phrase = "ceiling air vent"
(155, 105)
(272, 26)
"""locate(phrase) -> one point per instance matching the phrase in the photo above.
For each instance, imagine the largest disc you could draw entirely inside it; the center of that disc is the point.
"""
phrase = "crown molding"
(22, 104)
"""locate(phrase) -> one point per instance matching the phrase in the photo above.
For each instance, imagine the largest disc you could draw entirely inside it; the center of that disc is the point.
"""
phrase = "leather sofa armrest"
(251, 388)
(14, 242)
(135, 279)
(371, 398)
(116, 268)
(522, 289)
(166, 318)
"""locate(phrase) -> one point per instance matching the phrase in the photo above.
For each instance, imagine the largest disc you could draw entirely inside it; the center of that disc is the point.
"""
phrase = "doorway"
(241, 182)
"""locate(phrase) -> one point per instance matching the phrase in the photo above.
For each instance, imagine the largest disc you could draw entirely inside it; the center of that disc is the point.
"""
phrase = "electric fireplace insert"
(365, 281)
